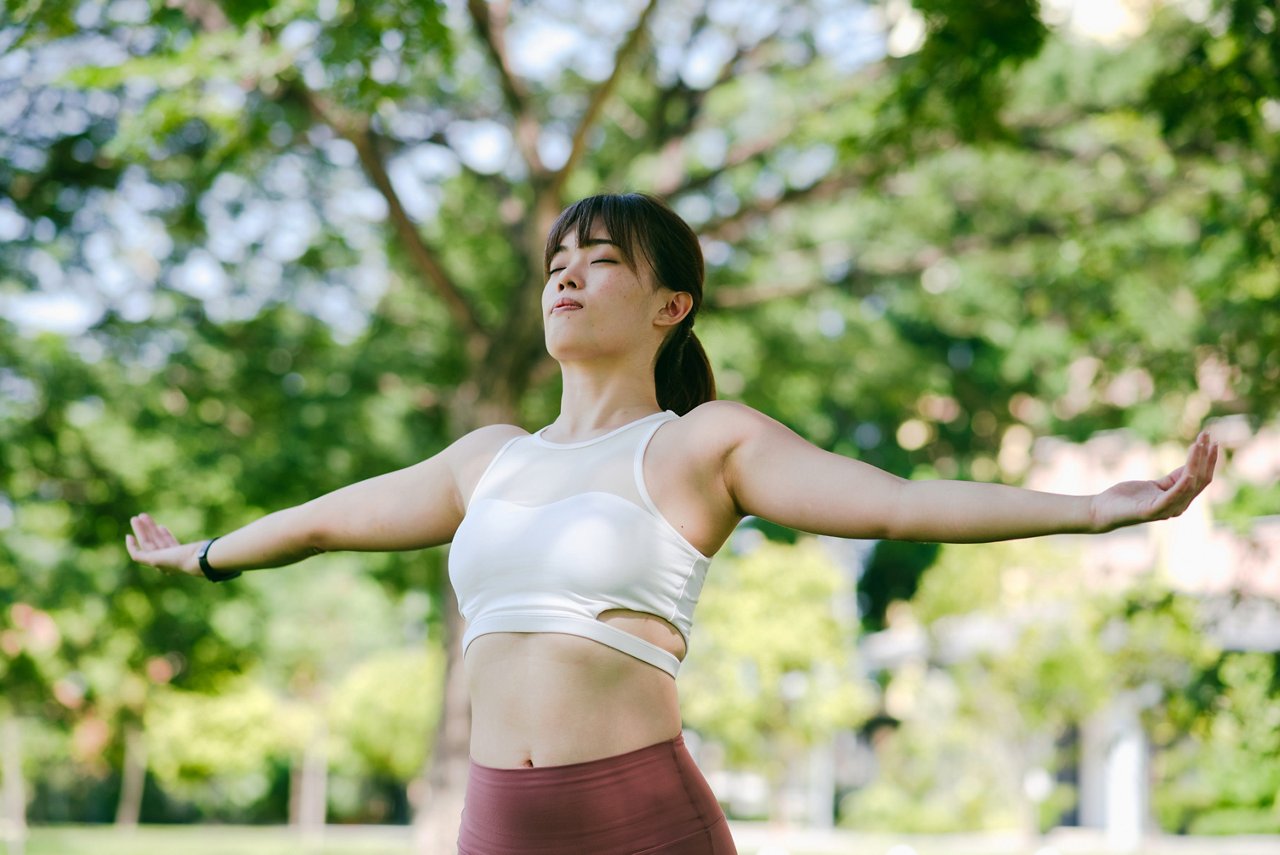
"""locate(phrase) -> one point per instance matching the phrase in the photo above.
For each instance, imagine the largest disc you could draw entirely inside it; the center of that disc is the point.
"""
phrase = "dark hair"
(644, 227)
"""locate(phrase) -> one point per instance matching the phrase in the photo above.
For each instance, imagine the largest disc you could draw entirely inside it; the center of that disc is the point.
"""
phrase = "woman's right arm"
(411, 508)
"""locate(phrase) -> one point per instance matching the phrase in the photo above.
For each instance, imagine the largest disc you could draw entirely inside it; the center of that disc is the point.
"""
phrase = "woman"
(579, 551)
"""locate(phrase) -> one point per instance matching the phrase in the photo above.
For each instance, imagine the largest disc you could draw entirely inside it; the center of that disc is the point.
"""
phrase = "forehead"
(598, 236)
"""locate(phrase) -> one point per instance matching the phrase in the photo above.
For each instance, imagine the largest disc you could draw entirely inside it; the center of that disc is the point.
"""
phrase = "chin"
(559, 349)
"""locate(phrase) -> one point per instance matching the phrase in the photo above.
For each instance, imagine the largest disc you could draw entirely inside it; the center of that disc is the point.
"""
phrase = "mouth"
(564, 304)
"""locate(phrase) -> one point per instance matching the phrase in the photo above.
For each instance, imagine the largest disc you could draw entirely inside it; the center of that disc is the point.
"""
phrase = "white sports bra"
(556, 533)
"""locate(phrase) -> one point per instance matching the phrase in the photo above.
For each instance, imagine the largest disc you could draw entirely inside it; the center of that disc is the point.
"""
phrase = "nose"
(569, 277)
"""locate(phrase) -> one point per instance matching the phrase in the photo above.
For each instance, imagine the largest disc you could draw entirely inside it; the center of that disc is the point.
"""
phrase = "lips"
(566, 304)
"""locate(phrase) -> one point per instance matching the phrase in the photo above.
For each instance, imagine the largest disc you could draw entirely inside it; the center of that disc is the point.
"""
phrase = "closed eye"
(605, 261)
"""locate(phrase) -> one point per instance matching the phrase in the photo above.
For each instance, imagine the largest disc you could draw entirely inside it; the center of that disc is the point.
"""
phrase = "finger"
(1171, 502)
(1169, 480)
(1196, 455)
(1205, 446)
(140, 531)
(167, 536)
(1198, 458)
(150, 532)
(1178, 495)
(1207, 467)
(1199, 472)
(136, 552)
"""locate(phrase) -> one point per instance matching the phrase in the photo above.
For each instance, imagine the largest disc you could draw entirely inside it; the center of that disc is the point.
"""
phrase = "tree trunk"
(13, 799)
(492, 396)
(133, 777)
(436, 820)
(309, 797)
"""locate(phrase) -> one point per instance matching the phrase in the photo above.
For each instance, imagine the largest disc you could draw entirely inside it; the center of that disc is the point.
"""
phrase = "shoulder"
(481, 444)
(721, 427)
(711, 448)
(491, 435)
(738, 437)
(470, 455)
(727, 418)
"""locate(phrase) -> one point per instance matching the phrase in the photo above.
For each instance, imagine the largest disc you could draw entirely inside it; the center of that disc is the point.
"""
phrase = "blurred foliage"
(939, 771)
(1222, 775)
(752, 680)
(211, 749)
(381, 732)
(1248, 503)
(1023, 658)
(218, 751)
(957, 77)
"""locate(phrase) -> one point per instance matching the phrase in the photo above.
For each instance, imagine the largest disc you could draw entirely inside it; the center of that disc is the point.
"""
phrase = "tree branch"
(916, 263)
(599, 97)
(489, 20)
(738, 155)
(749, 151)
(356, 130)
(857, 281)
(663, 129)
(731, 227)
(744, 296)
(207, 13)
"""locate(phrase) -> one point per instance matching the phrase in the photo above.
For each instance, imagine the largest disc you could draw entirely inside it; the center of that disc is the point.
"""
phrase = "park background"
(253, 251)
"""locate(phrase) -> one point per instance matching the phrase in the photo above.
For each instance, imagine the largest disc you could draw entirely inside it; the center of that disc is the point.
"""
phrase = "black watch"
(210, 573)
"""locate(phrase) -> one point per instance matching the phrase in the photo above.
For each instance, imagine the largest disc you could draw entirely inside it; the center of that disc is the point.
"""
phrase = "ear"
(677, 307)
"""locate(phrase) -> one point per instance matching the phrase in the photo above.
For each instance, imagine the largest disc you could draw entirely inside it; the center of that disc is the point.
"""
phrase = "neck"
(596, 398)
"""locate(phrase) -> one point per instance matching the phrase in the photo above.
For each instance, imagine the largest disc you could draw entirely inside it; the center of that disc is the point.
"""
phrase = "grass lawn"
(212, 840)
(752, 840)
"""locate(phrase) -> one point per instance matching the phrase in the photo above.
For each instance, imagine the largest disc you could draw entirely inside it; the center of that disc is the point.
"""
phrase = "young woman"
(579, 551)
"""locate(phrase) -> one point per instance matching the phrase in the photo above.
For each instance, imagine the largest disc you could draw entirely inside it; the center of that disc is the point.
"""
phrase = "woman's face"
(595, 305)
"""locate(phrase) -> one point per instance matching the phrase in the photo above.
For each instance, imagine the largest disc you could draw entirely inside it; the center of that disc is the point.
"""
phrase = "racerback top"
(556, 533)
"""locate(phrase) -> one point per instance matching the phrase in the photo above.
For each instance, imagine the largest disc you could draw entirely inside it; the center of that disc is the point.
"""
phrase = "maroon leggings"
(653, 800)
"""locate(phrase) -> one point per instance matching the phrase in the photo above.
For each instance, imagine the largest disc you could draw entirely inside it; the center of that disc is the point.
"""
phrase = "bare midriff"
(549, 699)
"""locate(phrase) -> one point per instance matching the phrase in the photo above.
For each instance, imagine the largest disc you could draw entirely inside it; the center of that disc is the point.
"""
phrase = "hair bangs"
(619, 216)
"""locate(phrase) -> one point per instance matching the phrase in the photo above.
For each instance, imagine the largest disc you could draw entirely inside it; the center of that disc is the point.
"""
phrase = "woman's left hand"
(1131, 502)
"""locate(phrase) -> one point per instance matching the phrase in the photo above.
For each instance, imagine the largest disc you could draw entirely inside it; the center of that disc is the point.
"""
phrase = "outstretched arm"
(410, 508)
(773, 473)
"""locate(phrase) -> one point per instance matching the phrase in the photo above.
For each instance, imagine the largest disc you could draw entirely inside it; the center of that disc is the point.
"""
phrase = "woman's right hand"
(154, 545)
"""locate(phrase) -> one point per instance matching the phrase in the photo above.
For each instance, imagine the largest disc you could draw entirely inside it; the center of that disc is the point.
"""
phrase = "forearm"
(280, 538)
(975, 512)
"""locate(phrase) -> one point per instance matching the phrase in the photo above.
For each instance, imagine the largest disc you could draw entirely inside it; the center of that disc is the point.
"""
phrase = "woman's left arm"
(772, 473)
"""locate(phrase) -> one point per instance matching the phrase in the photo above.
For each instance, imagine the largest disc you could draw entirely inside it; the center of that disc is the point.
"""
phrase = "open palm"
(153, 544)
(1131, 502)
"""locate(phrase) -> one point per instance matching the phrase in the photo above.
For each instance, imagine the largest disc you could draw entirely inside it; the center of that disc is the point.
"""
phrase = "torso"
(543, 699)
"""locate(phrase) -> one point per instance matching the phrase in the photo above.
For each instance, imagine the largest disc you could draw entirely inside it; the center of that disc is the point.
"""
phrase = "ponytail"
(683, 373)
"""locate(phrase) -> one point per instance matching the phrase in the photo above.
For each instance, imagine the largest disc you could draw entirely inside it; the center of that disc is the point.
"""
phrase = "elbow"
(315, 531)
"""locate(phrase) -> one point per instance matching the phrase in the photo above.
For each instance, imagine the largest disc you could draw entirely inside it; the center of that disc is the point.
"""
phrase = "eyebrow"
(589, 242)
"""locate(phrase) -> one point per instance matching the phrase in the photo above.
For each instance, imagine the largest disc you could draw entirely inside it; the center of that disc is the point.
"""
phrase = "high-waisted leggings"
(652, 801)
